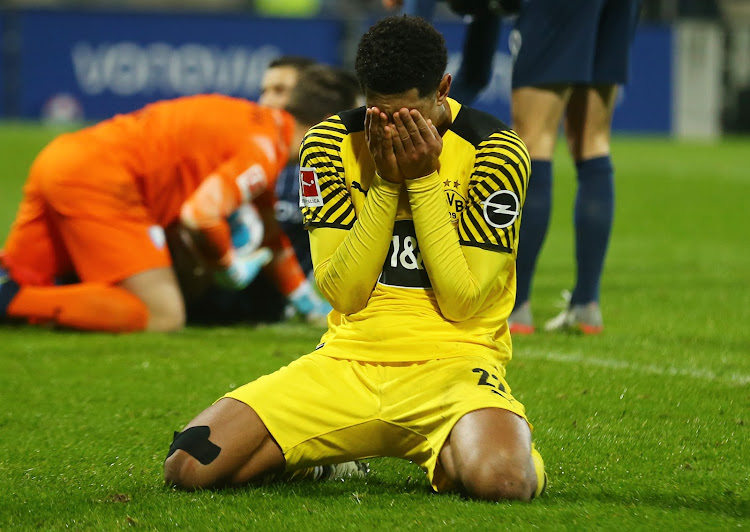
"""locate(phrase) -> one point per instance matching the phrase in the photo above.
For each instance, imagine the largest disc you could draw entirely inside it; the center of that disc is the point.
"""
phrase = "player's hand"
(392, 4)
(379, 135)
(416, 144)
(243, 269)
(246, 228)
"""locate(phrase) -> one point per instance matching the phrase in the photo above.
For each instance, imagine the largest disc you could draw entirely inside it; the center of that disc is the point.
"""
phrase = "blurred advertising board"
(111, 62)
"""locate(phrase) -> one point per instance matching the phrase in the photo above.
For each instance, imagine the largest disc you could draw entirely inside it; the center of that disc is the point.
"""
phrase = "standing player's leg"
(588, 126)
(553, 46)
(478, 54)
(537, 112)
(588, 129)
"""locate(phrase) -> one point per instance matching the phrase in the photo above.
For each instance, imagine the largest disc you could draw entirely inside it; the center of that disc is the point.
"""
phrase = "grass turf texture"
(643, 427)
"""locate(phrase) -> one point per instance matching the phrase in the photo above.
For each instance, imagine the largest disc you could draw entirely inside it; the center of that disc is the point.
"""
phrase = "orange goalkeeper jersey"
(173, 145)
(94, 196)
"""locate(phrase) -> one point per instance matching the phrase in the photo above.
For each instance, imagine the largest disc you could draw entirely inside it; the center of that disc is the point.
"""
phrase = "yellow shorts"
(323, 410)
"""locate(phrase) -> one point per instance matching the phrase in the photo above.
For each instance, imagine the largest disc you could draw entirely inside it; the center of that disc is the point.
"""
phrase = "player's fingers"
(409, 117)
(389, 133)
(403, 133)
(381, 121)
(376, 133)
(368, 122)
(410, 129)
(421, 126)
(433, 139)
(396, 140)
(376, 129)
(434, 131)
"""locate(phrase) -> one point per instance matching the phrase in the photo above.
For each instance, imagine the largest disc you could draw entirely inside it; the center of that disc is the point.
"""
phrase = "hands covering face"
(408, 148)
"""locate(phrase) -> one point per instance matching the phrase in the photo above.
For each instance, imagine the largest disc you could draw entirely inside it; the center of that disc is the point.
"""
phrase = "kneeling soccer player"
(413, 206)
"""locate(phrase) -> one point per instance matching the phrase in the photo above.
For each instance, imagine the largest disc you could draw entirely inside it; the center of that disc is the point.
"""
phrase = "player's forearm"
(460, 289)
(284, 268)
(346, 270)
(206, 211)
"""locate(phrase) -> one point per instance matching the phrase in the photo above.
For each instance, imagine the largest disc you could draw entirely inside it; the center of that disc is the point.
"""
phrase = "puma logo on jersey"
(309, 188)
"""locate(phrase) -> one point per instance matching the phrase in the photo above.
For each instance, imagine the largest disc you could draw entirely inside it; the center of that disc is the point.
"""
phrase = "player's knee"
(179, 471)
(539, 138)
(188, 463)
(498, 477)
(587, 144)
(185, 472)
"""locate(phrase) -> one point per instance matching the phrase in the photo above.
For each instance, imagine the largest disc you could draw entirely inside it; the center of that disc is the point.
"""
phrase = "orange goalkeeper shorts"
(82, 214)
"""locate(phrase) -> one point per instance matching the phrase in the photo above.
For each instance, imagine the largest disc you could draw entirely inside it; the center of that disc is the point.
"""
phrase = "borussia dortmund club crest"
(456, 202)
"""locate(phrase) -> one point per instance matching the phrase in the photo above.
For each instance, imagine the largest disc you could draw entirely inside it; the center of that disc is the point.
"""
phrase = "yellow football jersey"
(484, 170)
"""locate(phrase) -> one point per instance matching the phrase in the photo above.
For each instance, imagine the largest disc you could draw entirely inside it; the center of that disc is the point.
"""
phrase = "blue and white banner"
(97, 64)
(117, 62)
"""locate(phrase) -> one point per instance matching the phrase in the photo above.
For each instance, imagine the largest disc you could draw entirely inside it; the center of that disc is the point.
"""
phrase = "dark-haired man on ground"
(413, 206)
(279, 79)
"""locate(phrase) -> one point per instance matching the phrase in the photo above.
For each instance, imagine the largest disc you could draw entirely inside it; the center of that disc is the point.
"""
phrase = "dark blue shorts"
(573, 41)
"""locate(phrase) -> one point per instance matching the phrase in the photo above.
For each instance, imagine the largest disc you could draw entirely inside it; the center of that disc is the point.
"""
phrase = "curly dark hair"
(400, 53)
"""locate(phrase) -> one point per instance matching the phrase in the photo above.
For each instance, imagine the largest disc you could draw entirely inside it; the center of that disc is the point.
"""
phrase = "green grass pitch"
(642, 428)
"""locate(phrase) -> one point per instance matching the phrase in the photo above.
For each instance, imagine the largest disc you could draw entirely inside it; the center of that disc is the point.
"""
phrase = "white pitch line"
(613, 363)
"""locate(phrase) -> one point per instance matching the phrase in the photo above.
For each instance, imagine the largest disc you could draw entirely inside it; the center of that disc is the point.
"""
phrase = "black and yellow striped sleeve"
(324, 197)
(497, 190)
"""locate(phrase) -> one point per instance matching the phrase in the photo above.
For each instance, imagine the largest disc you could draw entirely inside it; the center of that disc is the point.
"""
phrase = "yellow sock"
(541, 474)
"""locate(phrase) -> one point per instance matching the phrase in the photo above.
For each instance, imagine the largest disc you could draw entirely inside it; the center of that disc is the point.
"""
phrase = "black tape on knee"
(194, 441)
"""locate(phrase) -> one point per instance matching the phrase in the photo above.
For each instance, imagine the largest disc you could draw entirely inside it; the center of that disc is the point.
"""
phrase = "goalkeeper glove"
(246, 228)
(308, 303)
(243, 269)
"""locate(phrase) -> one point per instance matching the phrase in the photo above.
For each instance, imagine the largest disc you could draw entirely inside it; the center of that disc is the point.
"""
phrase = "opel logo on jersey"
(501, 209)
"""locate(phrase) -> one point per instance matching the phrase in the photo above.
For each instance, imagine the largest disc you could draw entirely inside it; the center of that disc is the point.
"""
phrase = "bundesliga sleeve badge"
(309, 188)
